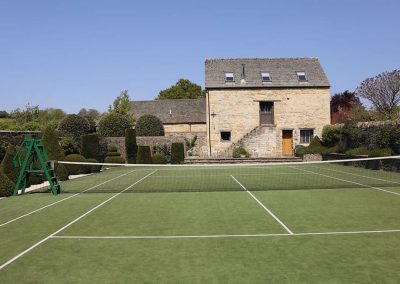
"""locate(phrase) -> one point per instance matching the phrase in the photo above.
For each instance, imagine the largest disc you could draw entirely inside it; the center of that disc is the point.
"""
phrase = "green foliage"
(330, 135)
(92, 123)
(121, 104)
(239, 152)
(113, 156)
(76, 169)
(183, 89)
(163, 149)
(6, 185)
(149, 125)
(73, 126)
(90, 146)
(143, 155)
(315, 143)
(113, 125)
(51, 145)
(315, 147)
(92, 113)
(380, 152)
(360, 151)
(69, 145)
(389, 137)
(177, 153)
(351, 137)
(130, 145)
(3, 114)
(7, 166)
(158, 158)
(3, 149)
(190, 144)
(61, 171)
(94, 168)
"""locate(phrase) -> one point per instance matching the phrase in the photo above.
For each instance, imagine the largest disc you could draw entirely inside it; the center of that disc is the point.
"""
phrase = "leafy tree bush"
(183, 89)
(90, 146)
(51, 145)
(149, 125)
(69, 145)
(143, 155)
(92, 123)
(330, 135)
(3, 149)
(362, 150)
(389, 137)
(7, 166)
(113, 156)
(351, 137)
(74, 126)
(113, 125)
(93, 168)
(163, 149)
(76, 169)
(158, 158)
(238, 152)
(61, 171)
(177, 153)
(130, 145)
(6, 185)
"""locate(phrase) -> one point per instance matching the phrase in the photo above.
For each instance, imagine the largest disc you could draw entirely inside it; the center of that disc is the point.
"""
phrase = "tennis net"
(365, 173)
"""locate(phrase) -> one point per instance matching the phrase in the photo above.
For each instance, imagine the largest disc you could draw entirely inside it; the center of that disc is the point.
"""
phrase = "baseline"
(69, 197)
(265, 208)
(72, 222)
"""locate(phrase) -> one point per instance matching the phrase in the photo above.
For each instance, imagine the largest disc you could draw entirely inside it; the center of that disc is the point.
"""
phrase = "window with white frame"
(229, 77)
(306, 135)
(301, 75)
(265, 77)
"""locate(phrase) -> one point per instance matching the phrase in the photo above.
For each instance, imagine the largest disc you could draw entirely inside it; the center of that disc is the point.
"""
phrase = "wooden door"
(287, 142)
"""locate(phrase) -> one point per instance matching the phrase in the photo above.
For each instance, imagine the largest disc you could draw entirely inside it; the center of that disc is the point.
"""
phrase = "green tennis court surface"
(312, 223)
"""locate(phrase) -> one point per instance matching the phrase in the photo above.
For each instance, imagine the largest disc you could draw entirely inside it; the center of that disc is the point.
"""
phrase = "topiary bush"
(149, 125)
(177, 153)
(90, 146)
(330, 135)
(51, 145)
(130, 145)
(113, 125)
(143, 155)
(69, 145)
(94, 168)
(73, 125)
(113, 156)
(158, 158)
(7, 166)
(6, 185)
(238, 152)
(61, 171)
(78, 168)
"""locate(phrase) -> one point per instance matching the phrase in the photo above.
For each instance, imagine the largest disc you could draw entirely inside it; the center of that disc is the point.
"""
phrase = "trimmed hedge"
(158, 158)
(113, 125)
(7, 166)
(177, 153)
(130, 145)
(143, 155)
(93, 168)
(6, 185)
(113, 156)
(330, 135)
(74, 125)
(76, 169)
(149, 125)
(69, 145)
(239, 151)
(90, 146)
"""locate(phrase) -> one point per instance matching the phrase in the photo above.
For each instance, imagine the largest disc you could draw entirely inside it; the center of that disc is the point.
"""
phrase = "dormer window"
(229, 77)
(265, 77)
(301, 76)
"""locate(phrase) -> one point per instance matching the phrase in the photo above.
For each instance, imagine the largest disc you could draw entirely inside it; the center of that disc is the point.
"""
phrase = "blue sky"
(74, 54)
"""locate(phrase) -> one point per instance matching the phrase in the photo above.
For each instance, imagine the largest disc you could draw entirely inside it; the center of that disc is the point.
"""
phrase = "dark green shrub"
(330, 135)
(380, 152)
(130, 145)
(164, 150)
(78, 168)
(149, 125)
(315, 143)
(113, 125)
(7, 166)
(90, 146)
(177, 153)
(3, 149)
(362, 150)
(388, 136)
(6, 185)
(143, 155)
(51, 145)
(240, 152)
(94, 168)
(69, 145)
(113, 156)
(92, 123)
(61, 171)
(158, 158)
(73, 126)
(351, 137)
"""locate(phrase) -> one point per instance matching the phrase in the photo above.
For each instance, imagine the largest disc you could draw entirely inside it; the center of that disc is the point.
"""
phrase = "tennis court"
(290, 223)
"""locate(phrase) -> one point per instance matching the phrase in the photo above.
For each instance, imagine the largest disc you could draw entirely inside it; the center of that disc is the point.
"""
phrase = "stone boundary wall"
(16, 137)
(369, 124)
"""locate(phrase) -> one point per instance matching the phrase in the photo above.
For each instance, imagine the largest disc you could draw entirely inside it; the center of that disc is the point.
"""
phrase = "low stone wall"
(312, 157)
(16, 137)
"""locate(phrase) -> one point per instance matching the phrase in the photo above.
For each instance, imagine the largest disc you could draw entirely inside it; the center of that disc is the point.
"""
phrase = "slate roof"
(172, 111)
(282, 72)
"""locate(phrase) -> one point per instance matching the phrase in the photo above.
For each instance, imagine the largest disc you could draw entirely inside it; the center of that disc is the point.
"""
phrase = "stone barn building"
(266, 105)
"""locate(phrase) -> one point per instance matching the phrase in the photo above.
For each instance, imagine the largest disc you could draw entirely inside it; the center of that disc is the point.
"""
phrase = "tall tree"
(347, 107)
(383, 91)
(183, 89)
(121, 104)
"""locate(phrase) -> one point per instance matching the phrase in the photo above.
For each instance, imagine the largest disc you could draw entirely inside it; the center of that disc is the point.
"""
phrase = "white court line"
(265, 208)
(348, 181)
(357, 175)
(229, 236)
(70, 223)
(54, 203)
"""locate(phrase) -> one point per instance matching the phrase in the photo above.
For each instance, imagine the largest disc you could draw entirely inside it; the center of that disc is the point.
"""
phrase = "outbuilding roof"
(247, 72)
(172, 111)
